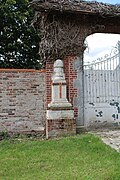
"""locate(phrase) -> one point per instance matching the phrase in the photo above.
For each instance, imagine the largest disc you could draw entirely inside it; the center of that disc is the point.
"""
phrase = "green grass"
(83, 157)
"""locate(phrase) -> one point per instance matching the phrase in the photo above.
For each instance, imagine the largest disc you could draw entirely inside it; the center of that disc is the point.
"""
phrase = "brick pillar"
(70, 75)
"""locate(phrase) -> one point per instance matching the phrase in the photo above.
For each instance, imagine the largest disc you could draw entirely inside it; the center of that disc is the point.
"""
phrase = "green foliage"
(19, 42)
(83, 157)
(4, 135)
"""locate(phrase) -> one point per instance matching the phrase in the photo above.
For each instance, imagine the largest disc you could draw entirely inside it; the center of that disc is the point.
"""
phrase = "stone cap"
(58, 63)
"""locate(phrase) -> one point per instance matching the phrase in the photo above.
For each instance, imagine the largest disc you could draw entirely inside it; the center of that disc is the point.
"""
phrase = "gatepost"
(60, 115)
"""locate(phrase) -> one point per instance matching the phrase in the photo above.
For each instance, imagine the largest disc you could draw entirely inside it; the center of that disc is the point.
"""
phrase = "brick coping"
(22, 70)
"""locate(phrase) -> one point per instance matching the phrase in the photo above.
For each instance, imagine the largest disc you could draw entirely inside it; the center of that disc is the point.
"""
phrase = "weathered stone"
(59, 98)
(60, 115)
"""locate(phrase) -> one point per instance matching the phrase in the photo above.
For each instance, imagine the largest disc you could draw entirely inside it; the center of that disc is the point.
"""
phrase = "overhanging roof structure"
(64, 24)
(76, 7)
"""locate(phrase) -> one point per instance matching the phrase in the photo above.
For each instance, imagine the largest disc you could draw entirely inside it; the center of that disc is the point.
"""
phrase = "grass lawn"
(83, 157)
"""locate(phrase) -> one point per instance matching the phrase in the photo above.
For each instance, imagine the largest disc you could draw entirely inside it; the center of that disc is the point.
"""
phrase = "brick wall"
(22, 100)
(25, 94)
(49, 71)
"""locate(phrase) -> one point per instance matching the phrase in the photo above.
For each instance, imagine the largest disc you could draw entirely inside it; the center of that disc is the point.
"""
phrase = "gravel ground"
(110, 137)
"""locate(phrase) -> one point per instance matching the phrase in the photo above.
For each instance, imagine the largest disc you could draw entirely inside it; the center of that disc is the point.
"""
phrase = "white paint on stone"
(58, 74)
(55, 94)
(64, 91)
(59, 98)
(60, 114)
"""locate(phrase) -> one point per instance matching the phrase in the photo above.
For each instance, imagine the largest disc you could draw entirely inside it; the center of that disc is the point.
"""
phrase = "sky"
(101, 44)
(109, 1)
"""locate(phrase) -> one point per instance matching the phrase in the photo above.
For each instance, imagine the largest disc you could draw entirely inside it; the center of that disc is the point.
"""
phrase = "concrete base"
(60, 122)
(60, 114)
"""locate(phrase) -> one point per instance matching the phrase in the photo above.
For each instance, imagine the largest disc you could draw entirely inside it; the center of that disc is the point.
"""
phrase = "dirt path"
(111, 138)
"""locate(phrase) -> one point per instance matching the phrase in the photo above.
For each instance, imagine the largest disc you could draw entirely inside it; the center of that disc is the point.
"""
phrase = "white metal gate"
(102, 92)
